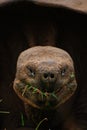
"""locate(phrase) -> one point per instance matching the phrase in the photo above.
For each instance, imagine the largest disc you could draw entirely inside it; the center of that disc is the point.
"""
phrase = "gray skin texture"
(45, 81)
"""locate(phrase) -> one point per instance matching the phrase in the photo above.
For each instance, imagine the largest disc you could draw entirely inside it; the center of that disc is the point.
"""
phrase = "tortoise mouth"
(47, 99)
(37, 98)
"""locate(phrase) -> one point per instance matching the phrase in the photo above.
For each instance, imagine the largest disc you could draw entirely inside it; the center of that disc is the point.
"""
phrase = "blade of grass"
(4, 112)
(22, 120)
(24, 90)
(1, 100)
(52, 94)
(37, 128)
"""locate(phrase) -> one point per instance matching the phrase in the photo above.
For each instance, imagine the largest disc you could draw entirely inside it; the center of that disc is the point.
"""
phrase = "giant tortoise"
(43, 65)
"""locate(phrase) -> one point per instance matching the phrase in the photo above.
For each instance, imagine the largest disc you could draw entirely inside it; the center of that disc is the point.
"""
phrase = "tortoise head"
(45, 77)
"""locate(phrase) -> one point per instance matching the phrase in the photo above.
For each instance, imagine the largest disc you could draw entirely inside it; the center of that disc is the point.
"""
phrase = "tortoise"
(43, 32)
(79, 5)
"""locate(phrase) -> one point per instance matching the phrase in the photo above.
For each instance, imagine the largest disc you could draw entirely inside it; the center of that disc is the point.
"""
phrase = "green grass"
(72, 75)
(22, 120)
(37, 128)
(3, 112)
(36, 90)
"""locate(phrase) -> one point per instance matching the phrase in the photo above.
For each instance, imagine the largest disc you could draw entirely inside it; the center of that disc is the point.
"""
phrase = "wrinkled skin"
(45, 79)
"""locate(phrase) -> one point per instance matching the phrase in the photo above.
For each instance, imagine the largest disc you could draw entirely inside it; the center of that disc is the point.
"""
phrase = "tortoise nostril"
(52, 75)
(46, 75)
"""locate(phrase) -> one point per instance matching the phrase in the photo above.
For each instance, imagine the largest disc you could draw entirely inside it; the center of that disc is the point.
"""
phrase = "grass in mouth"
(72, 75)
(36, 90)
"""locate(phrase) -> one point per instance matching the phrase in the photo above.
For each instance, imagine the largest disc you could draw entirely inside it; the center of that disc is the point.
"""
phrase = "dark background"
(71, 35)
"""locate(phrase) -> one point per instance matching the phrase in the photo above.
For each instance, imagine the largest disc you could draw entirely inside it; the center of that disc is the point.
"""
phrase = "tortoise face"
(45, 77)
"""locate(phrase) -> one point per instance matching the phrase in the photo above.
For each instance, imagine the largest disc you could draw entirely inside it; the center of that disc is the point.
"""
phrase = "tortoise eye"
(31, 71)
(63, 71)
